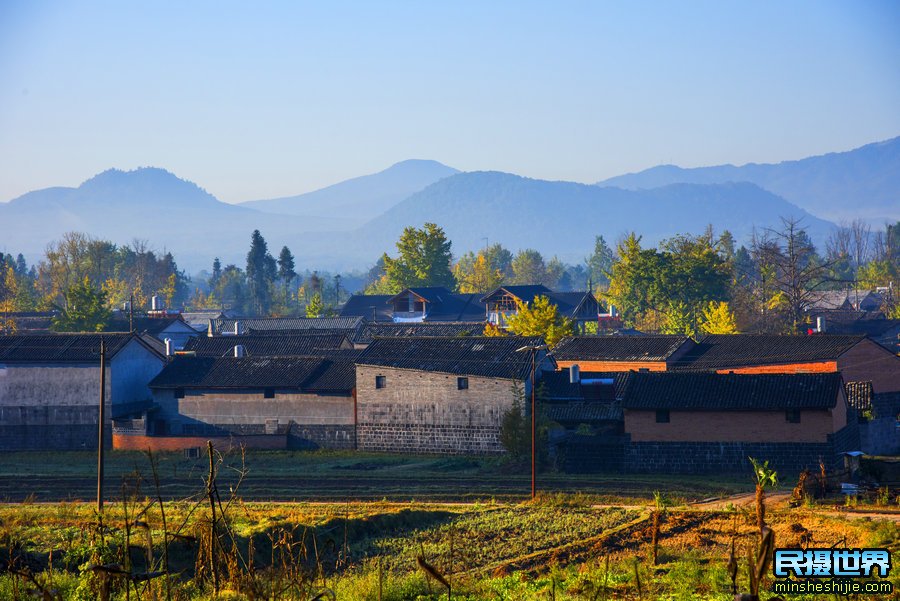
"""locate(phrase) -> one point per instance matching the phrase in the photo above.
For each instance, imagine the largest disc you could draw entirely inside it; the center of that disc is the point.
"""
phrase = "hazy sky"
(263, 99)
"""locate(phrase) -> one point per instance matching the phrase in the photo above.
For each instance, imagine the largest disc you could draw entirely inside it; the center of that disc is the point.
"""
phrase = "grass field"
(349, 543)
(335, 476)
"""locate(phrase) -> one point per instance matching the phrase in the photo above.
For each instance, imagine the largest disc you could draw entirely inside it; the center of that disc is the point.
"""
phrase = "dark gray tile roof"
(369, 306)
(618, 348)
(706, 391)
(494, 357)
(260, 324)
(300, 373)
(256, 345)
(61, 348)
(557, 386)
(443, 305)
(581, 412)
(370, 331)
(148, 325)
(720, 351)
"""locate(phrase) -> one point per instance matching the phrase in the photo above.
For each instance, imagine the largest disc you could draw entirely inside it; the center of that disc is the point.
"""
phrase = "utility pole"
(100, 429)
(533, 427)
(534, 350)
(131, 314)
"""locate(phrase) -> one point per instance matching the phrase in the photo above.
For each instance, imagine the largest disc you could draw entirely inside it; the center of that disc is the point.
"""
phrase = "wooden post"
(210, 491)
(533, 428)
(100, 427)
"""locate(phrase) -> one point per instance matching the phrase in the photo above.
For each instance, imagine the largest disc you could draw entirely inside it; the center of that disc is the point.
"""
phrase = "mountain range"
(838, 186)
(348, 225)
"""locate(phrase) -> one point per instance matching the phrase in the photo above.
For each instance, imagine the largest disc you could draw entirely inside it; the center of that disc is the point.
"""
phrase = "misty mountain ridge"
(475, 208)
(563, 218)
(362, 198)
(839, 186)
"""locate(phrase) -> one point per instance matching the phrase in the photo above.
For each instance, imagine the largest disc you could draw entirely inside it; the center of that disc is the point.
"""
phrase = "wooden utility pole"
(533, 428)
(100, 428)
(131, 314)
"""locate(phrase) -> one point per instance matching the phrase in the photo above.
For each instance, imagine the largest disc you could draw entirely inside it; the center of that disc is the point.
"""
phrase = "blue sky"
(257, 100)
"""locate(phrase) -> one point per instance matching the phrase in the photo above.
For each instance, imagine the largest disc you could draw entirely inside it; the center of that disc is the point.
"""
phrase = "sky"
(256, 100)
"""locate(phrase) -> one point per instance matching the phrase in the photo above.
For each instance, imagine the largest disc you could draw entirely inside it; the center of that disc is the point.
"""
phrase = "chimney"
(170, 349)
(126, 306)
(574, 374)
(238, 351)
(211, 330)
(820, 325)
(238, 328)
(612, 311)
(155, 303)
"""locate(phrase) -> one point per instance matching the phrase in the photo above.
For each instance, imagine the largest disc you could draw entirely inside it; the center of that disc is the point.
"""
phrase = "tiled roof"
(260, 345)
(370, 331)
(303, 373)
(557, 386)
(618, 348)
(60, 348)
(524, 293)
(149, 325)
(705, 391)
(260, 324)
(583, 412)
(494, 357)
(369, 306)
(720, 351)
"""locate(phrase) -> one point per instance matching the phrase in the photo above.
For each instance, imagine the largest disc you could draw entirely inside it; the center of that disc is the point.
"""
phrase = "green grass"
(338, 476)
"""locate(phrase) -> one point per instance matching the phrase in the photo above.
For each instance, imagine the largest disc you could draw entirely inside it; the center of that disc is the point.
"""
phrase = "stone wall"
(709, 457)
(310, 421)
(425, 412)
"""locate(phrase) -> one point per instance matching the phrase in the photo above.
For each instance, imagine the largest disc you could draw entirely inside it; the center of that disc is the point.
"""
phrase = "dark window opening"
(662, 416)
(380, 381)
(792, 416)
(462, 383)
(179, 393)
(269, 393)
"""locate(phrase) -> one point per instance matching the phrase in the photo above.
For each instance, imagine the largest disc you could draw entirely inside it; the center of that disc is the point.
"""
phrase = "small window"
(380, 381)
(662, 416)
(462, 383)
(792, 416)
(179, 393)
(269, 393)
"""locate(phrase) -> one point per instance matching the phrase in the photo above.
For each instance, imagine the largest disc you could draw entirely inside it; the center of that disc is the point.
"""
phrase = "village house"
(581, 307)
(709, 422)
(438, 304)
(415, 305)
(169, 327)
(618, 353)
(50, 386)
(442, 395)
(257, 402)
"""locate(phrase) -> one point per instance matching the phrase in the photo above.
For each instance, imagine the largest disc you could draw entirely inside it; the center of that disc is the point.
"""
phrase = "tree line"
(686, 284)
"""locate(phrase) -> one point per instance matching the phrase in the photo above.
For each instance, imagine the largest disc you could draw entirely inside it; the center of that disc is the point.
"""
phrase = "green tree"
(599, 264)
(424, 260)
(718, 318)
(85, 309)
(474, 273)
(528, 267)
(286, 266)
(261, 269)
(540, 318)
(315, 307)
(515, 429)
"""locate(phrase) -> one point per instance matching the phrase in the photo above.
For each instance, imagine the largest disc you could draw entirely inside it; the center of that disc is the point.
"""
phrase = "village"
(421, 378)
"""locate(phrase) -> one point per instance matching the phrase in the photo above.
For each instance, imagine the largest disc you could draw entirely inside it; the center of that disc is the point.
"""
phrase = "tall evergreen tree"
(286, 265)
(260, 271)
